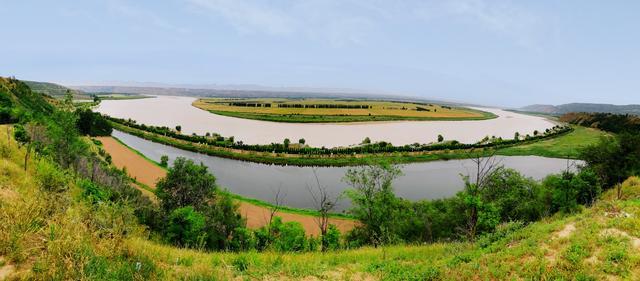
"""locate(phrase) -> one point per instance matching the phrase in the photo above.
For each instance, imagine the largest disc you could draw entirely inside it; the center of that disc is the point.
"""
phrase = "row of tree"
(365, 148)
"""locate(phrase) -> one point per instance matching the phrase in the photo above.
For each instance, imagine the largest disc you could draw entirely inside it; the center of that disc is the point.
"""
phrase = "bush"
(332, 238)
(50, 177)
(185, 227)
(164, 160)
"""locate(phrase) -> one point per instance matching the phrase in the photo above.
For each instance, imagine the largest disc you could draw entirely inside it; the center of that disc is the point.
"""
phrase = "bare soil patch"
(137, 166)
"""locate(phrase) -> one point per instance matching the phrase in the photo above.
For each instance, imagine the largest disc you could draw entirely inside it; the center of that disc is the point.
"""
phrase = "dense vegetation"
(615, 123)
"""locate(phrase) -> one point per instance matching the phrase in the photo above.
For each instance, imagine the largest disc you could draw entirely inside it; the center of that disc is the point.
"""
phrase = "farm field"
(332, 110)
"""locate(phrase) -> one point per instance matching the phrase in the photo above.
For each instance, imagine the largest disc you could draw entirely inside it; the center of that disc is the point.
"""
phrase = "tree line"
(364, 148)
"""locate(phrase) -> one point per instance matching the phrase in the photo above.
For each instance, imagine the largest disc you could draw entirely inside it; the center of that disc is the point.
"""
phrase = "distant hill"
(55, 90)
(582, 107)
(254, 92)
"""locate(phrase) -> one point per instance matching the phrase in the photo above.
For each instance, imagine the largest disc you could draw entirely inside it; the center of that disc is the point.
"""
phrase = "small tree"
(374, 202)
(478, 212)
(286, 143)
(324, 203)
(440, 138)
(302, 141)
(164, 160)
(179, 128)
(516, 136)
(366, 140)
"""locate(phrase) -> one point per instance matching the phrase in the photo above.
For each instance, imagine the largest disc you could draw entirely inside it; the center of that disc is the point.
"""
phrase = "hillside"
(17, 99)
(58, 235)
(55, 90)
(582, 107)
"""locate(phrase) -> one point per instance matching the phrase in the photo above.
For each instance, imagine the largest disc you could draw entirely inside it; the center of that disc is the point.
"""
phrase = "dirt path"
(257, 216)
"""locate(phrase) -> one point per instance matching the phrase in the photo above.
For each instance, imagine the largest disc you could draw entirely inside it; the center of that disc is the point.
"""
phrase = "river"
(428, 180)
(171, 111)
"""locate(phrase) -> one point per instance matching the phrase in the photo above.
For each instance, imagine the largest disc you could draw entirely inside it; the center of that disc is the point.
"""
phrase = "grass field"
(567, 146)
(309, 111)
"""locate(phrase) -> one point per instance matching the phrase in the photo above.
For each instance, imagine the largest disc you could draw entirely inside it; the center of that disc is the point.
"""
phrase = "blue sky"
(508, 53)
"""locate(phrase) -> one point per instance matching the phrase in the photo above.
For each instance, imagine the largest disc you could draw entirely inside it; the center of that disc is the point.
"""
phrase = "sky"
(504, 53)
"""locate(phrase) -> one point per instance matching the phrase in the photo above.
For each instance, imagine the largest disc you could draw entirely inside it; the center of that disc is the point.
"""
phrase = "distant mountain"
(249, 91)
(582, 107)
(55, 90)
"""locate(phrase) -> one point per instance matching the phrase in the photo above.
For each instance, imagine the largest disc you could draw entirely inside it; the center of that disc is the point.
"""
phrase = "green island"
(335, 110)
(565, 143)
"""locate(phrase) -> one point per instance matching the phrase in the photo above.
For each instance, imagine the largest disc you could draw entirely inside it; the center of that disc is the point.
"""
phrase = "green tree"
(286, 143)
(614, 159)
(440, 138)
(222, 221)
(186, 184)
(186, 228)
(64, 141)
(366, 140)
(374, 202)
(302, 141)
(164, 160)
(179, 128)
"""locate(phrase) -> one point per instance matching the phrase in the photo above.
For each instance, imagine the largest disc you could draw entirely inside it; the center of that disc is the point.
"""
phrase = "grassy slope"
(41, 239)
(567, 146)
(55, 90)
(380, 111)
(604, 245)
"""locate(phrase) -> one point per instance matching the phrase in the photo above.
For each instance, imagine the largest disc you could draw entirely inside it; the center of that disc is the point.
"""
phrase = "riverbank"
(257, 212)
(564, 144)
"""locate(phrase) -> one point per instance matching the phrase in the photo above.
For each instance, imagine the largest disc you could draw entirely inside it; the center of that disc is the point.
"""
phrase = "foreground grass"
(600, 243)
(562, 146)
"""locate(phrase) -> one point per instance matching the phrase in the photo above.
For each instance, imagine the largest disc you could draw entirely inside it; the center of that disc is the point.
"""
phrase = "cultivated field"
(331, 110)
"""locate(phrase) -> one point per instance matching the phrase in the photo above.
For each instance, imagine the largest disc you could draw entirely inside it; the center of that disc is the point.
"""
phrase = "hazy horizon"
(502, 53)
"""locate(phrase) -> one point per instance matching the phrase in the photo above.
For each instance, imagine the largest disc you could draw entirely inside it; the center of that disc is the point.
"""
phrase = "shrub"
(50, 177)
(185, 227)
(164, 160)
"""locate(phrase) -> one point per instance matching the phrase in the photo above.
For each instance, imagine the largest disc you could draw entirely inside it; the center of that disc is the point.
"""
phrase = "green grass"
(567, 146)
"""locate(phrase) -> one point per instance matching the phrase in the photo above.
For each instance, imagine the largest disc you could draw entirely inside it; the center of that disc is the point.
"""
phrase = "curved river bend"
(428, 180)
(171, 111)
